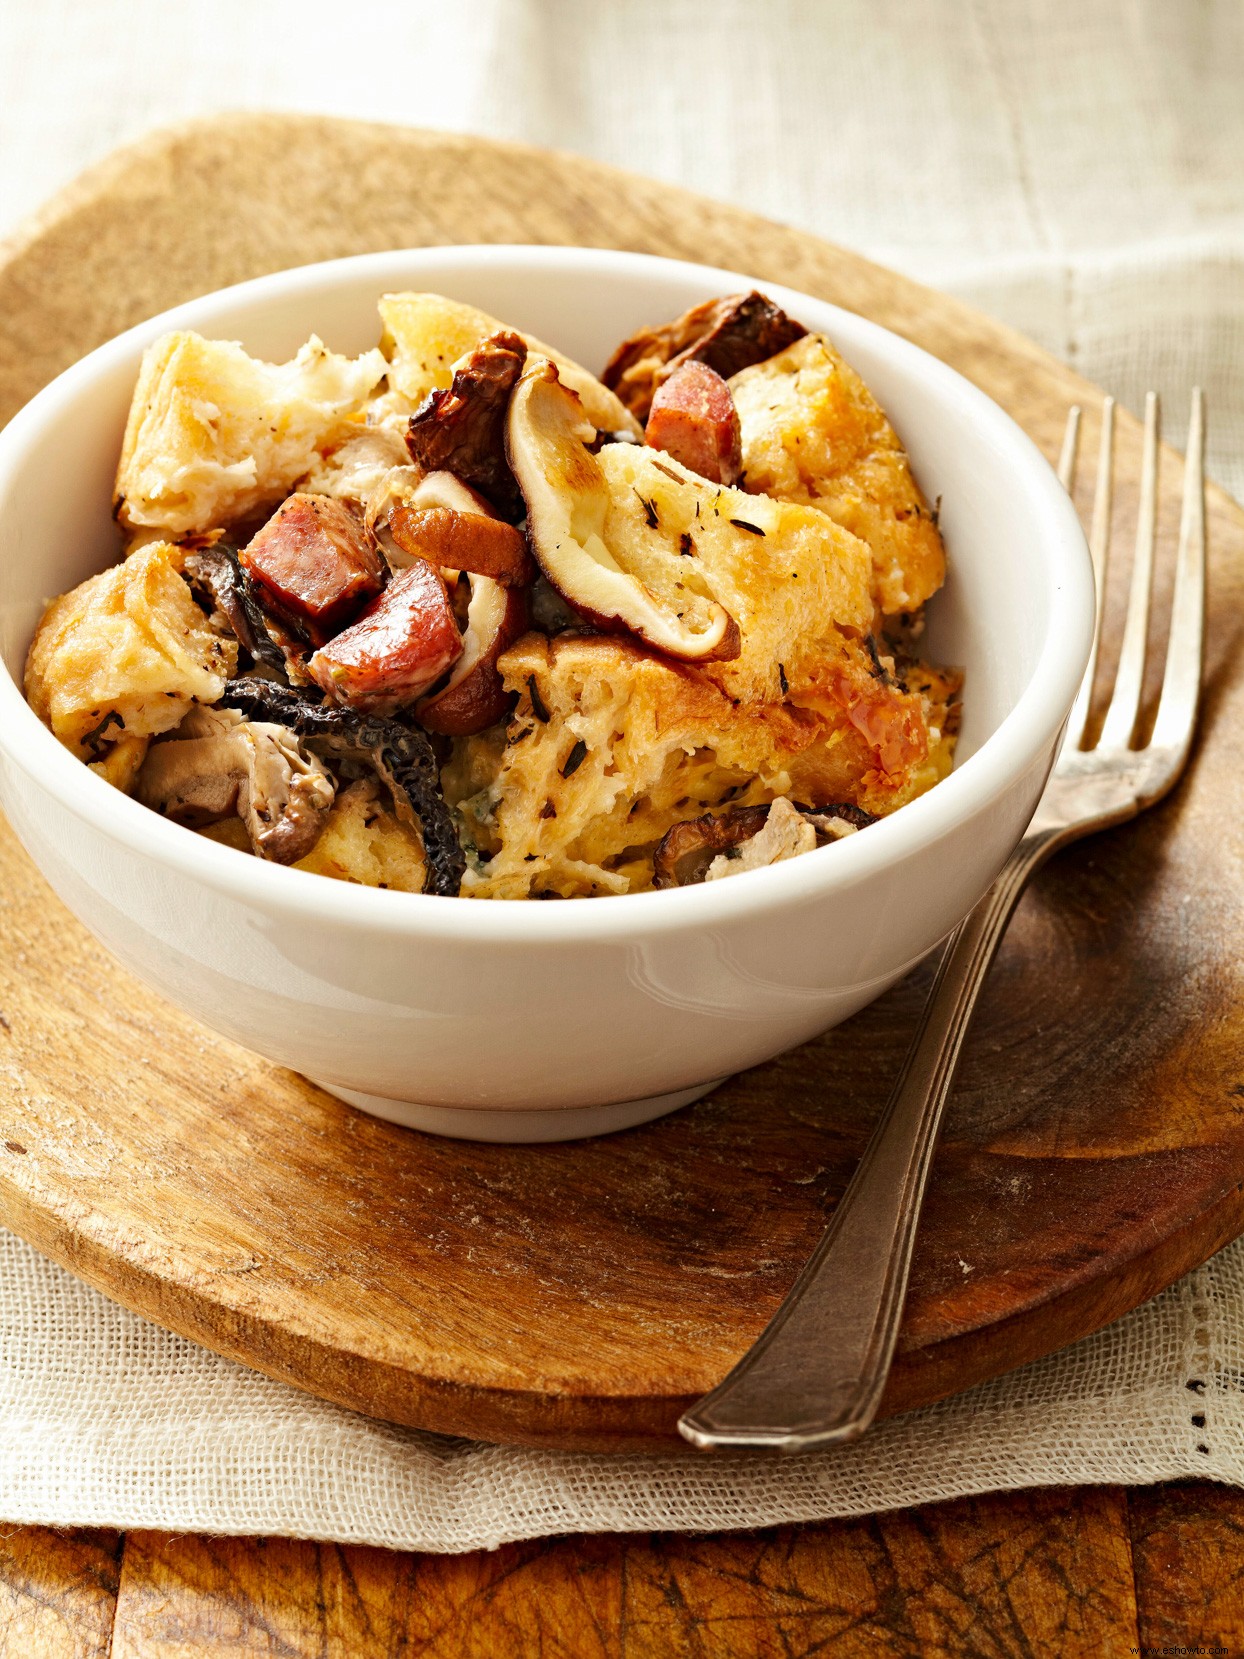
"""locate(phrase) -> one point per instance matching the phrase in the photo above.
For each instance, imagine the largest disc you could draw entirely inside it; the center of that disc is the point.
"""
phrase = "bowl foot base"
(516, 1125)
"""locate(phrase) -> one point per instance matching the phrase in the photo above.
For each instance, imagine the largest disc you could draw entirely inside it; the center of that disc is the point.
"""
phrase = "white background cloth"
(1078, 170)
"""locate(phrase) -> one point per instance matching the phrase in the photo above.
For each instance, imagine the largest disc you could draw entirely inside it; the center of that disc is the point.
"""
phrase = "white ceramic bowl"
(546, 1021)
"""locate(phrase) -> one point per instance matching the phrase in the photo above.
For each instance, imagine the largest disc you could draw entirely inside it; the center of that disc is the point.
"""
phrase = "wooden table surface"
(1096, 1571)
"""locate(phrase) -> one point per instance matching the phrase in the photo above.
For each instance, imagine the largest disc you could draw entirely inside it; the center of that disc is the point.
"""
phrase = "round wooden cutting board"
(581, 1295)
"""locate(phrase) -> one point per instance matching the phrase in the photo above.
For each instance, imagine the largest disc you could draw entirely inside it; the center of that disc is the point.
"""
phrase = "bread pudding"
(458, 616)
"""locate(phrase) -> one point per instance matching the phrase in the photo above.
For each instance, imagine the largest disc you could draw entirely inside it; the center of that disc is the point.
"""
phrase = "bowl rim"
(1017, 744)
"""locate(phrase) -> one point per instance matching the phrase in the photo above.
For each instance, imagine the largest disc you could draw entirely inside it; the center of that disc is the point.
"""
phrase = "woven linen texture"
(1072, 169)
(107, 1420)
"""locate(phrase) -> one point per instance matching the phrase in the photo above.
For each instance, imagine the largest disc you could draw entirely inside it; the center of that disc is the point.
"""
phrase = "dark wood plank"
(58, 1592)
(1188, 1547)
(1045, 1572)
(252, 1598)
(583, 1295)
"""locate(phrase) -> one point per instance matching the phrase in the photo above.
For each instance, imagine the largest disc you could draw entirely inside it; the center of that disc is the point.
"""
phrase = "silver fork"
(817, 1372)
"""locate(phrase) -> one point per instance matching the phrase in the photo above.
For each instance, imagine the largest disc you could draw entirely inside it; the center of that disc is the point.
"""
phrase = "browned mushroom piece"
(474, 696)
(687, 851)
(412, 487)
(728, 334)
(457, 540)
(218, 763)
(461, 428)
(216, 574)
(279, 647)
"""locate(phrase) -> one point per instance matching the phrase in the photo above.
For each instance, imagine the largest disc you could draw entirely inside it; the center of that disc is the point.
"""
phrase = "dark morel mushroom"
(217, 574)
(401, 757)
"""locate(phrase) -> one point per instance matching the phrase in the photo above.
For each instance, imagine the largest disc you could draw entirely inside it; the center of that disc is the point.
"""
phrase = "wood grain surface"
(1093, 1573)
(581, 1295)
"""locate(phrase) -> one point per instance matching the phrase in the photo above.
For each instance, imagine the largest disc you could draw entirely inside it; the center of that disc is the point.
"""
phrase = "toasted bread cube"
(610, 745)
(215, 435)
(789, 577)
(128, 650)
(812, 432)
(365, 842)
(314, 565)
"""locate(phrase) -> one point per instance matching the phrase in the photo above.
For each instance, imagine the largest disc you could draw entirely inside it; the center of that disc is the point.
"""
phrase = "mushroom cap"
(568, 503)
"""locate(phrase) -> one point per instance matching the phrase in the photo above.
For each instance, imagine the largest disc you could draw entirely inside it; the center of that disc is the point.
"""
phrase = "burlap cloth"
(1075, 169)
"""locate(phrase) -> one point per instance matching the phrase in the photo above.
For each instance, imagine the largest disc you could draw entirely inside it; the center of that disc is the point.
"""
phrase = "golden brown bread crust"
(129, 647)
(215, 435)
(609, 745)
(812, 432)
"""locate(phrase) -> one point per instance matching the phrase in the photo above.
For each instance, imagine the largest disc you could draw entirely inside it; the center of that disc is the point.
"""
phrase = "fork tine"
(1070, 449)
(1099, 548)
(1120, 722)
(1181, 682)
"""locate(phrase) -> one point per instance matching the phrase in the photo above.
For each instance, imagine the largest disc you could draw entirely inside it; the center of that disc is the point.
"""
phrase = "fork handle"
(817, 1372)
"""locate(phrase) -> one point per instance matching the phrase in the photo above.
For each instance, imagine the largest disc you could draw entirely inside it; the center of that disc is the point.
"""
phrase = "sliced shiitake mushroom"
(685, 852)
(411, 487)
(568, 502)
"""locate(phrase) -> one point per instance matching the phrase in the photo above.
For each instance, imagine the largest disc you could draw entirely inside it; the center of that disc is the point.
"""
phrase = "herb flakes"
(575, 758)
(650, 511)
(538, 706)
